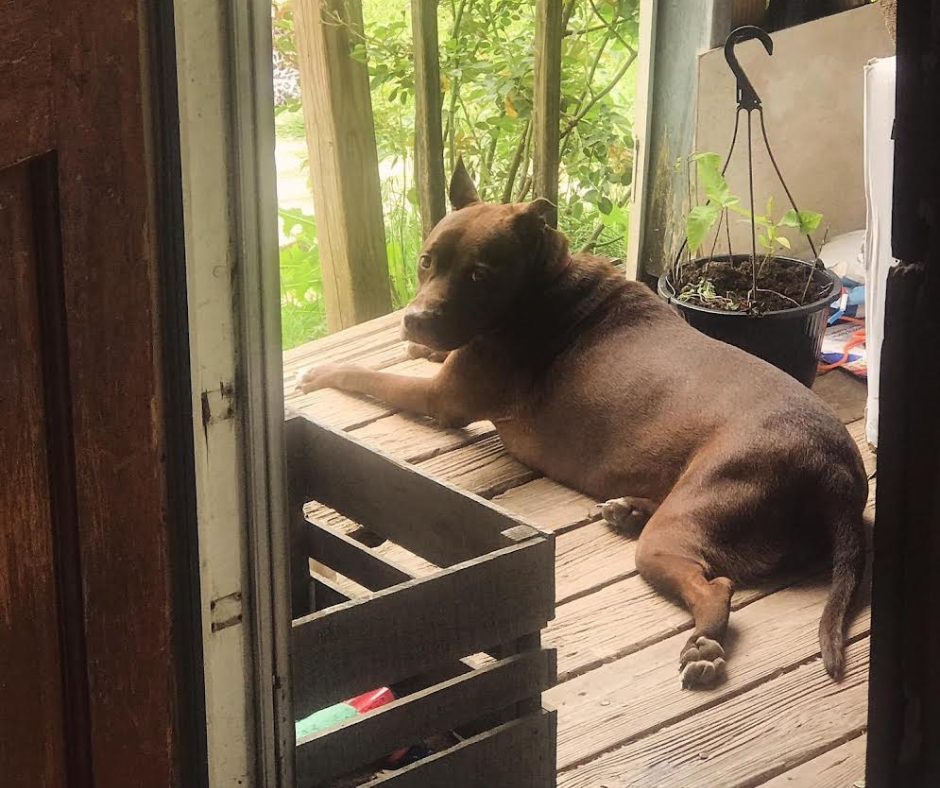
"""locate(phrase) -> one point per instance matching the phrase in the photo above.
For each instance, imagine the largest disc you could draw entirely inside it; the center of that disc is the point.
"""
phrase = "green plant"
(303, 312)
(770, 236)
(289, 125)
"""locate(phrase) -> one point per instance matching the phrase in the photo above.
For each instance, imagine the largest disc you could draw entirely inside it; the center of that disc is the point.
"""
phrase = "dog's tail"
(848, 566)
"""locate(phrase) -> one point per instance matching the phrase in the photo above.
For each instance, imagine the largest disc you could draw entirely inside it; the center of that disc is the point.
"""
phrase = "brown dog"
(733, 468)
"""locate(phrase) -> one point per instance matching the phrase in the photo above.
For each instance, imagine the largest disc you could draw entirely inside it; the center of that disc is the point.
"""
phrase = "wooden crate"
(493, 595)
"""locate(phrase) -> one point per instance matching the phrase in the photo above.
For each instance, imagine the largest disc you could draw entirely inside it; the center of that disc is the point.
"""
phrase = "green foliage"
(699, 222)
(303, 312)
(289, 124)
(702, 219)
(805, 221)
(712, 180)
(486, 64)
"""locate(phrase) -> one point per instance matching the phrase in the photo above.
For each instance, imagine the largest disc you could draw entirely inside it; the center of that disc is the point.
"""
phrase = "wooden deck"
(778, 720)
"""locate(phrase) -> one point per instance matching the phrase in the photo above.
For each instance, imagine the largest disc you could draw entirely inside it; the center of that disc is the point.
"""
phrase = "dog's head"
(475, 263)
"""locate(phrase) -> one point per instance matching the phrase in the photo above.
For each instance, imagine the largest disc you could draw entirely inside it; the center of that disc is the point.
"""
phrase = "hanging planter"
(763, 300)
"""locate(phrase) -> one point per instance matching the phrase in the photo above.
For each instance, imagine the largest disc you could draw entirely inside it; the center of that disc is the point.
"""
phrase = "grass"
(289, 125)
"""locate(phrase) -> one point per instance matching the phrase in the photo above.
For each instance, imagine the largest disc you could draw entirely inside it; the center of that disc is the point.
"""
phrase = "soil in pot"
(725, 284)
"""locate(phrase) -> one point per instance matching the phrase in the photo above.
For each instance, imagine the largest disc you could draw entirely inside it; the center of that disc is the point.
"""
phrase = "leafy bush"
(303, 311)
(486, 60)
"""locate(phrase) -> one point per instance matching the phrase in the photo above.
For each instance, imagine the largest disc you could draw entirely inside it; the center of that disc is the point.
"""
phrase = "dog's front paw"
(702, 663)
(414, 350)
(315, 378)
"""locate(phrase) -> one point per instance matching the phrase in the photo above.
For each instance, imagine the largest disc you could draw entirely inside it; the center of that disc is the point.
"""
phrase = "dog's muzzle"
(418, 325)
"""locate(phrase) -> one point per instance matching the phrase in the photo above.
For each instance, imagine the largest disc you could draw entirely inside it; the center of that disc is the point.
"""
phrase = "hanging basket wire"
(748, 101)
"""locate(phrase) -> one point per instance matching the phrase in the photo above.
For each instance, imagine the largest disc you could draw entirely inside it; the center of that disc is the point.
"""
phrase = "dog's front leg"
(422, 396)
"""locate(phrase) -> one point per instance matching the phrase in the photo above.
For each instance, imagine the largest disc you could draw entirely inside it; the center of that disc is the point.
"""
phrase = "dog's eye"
(479, 274)
(425, 261)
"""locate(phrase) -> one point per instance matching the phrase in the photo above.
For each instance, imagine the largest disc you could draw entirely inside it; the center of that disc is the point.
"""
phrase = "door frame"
(261, 382)
(177, 387)
(229, 209)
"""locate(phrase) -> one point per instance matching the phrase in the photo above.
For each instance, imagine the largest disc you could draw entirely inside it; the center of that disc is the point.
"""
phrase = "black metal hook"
(747, 96)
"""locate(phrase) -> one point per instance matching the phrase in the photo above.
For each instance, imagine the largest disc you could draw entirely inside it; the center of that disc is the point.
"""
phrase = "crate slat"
(353, 560)
(324, 592)
(424, 515)
(414, 627)
(336, 595)
(362, 740)
(520, 754)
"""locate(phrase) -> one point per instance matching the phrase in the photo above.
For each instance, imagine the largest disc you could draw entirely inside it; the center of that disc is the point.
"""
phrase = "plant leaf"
(809, 221)
(783, 241)
(806, 221)
(714, 183)
(701, 219)
(711, 160)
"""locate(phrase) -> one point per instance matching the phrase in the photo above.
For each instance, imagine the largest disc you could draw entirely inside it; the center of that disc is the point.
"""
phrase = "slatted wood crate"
(462, 645)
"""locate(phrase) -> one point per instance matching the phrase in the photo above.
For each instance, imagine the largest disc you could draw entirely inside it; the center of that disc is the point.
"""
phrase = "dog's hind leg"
(628, 513)
(666, 561)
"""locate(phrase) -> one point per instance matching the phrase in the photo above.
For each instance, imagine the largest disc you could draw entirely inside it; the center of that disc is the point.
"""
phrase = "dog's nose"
(417, 320)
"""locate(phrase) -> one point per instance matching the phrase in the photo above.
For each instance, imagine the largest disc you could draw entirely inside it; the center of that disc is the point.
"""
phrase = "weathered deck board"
(622, 717)
(589, 558)
(371, 332)
(841, 767)
(484, 468)
(415, 439)
(757, 735)
(622, 618)
(345, 411)
(857, 431)
(637, 694)
(843, 393)
(549, 505)
(376, 354)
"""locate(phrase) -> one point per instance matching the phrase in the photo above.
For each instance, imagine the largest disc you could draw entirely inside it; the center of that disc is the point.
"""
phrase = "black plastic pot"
(790, 339)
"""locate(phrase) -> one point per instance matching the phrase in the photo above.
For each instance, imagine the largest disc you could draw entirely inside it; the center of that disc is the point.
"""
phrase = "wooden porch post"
(546, 109)
(429, 143)
(344, 165)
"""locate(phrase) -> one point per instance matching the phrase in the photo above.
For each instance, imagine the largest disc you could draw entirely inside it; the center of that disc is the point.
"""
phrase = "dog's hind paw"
(702, 663)
(628, 513)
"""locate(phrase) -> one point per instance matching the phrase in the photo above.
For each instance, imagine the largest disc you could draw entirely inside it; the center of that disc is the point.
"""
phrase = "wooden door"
(86, 658)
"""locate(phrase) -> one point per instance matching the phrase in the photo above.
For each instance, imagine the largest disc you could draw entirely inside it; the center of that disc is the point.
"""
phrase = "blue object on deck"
(849, 302)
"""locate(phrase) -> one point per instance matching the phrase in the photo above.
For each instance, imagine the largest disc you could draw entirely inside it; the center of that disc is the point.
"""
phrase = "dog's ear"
(538, 214)
(462, 190)
(544, 209)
